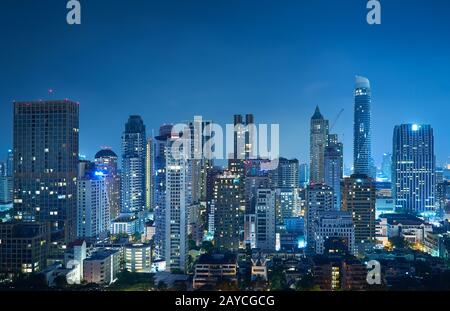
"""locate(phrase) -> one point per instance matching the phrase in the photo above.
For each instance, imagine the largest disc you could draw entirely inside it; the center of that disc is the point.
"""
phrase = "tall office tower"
(106, 163)
(386, 166)
(93, 219)
(161, 148)
(210, 186)
(46, 164)
(359, 198)
(304, 174)
(229, 207)
(243, 144)
(265, 220)
(134, 144)
(178, 201)
(334, 167)
(334, 225)
(318, 142)
(200, 133)
(319, 198)
(286, 175)
(413, 168)
(149, 173)
(362, 148)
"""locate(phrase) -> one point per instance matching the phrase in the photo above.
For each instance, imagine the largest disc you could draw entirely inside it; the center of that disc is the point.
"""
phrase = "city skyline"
(224, 145)
(281, 84)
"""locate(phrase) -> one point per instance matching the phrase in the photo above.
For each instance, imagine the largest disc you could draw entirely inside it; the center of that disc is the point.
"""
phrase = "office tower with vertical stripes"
(334, 167)
(413, 168)
(46, 164)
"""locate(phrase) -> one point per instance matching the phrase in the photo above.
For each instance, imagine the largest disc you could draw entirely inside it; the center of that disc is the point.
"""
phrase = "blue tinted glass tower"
(413, 168)
(362, 132)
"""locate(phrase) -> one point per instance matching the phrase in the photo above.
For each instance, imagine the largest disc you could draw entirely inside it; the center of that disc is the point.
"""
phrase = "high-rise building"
(243, 144)
(229, 208)
(334, 167)
(319, 198)
(46, 164)
(362, 148)
(178, 199)
(304, 174)
(287, 204)
(386, 166)
(134, 144)
(149, 173)
(318, 142)
(201, 163)
(106, 163)
(93, 219)
(161, 148)
(265, 220)
(359, 198)
(413, 168)
(286, 175)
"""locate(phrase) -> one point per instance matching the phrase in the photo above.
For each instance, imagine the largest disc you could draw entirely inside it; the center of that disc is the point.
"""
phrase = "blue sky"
(169, 60)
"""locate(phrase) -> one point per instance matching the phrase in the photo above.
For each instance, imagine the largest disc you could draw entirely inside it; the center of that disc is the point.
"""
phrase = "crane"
(337, 118)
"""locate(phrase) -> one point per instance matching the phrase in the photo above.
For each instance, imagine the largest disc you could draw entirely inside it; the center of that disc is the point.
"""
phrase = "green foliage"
(398, 242)
(128, 281)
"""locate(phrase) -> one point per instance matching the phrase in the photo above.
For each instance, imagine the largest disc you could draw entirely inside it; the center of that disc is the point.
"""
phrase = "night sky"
(169, 60)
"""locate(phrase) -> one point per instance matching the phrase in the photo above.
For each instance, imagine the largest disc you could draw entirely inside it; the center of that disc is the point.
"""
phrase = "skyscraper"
(304, 174)
(178, 200)
(286, 175)
(318, 142)
(319, 198)
(334, 167)
(200, 162)
(362, 152)
(106, 163)
(149, 173)
(243, 144)
(134, 144)
(229, 207)
(359, 198)
(386, 166)
(265, 220)
(413, 168)
(93, 219)
(46, 164)
(161, 148)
